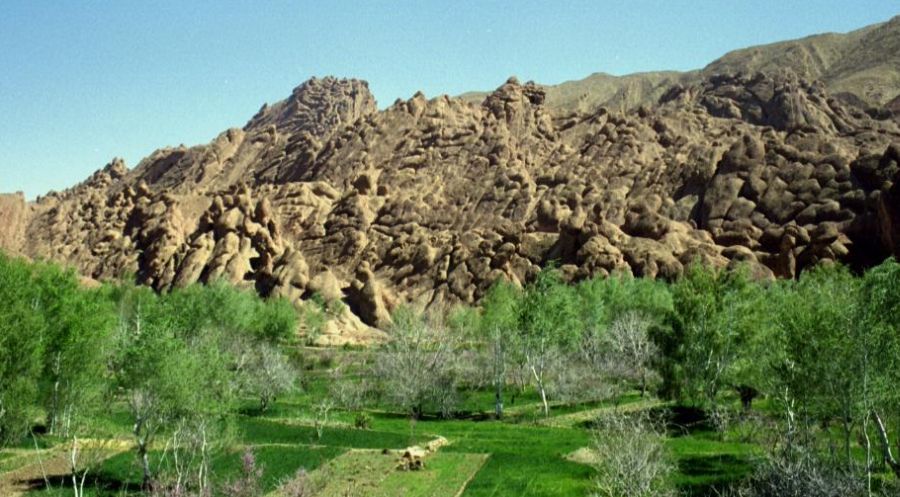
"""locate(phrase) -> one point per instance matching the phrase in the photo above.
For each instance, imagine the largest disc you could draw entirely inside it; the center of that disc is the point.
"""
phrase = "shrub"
(362, 421)
(301, 485)
(249, 483)
(631, 459)
(805, 477)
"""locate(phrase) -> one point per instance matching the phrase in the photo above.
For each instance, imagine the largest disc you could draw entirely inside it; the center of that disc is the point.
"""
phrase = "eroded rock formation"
(430, 201)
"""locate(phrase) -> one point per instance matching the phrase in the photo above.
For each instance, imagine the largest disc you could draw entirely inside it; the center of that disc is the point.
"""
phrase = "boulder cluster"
(430, 201)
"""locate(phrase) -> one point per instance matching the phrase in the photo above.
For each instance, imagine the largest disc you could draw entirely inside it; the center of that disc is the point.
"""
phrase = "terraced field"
(523, 455)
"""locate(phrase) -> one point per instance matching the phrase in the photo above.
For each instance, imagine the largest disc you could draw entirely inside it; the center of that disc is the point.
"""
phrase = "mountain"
(863, 66)
(430, 201)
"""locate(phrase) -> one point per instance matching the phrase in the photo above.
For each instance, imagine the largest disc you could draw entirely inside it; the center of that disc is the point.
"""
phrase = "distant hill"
(861, 67)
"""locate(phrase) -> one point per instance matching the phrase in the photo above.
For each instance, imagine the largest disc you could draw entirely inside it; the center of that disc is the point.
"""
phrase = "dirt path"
(52, 464)
(574, 419)
(18, 481)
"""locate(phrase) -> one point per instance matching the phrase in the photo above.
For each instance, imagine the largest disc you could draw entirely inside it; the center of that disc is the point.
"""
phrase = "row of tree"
(176, 362)
(823, 349)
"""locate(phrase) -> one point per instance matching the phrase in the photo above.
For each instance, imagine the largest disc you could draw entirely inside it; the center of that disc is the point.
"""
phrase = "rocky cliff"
(430, 201)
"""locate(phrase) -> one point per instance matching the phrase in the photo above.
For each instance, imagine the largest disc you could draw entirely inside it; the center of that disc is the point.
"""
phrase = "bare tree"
(265, 372)
(631, 458)
(629, 342)
(577, 380)
(322, 410)
(417, 367)
(85, 457)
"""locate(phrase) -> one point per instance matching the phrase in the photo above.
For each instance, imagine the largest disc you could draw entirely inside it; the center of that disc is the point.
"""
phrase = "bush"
(362, 421)
(631, 459)
(301, 485)
(249, 483)
(803, 477)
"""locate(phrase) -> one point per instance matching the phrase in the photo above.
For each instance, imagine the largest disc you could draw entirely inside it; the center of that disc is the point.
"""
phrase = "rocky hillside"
(430, 201)
(862, 66)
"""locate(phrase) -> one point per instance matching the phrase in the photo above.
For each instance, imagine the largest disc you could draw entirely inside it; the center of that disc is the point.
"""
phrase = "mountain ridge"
(429, 201)
(602, 89)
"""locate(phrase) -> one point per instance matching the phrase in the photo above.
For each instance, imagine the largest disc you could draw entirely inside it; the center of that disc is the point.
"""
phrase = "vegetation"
(713, 384)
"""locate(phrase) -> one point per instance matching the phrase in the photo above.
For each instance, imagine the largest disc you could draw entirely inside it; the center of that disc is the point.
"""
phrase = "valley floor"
(523, 455)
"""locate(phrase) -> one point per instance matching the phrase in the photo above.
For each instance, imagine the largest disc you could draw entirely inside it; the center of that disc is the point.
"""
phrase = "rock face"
(430, 201)
(14, 212)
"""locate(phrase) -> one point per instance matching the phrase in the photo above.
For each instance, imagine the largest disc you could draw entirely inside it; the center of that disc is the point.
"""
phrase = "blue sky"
(82, 82)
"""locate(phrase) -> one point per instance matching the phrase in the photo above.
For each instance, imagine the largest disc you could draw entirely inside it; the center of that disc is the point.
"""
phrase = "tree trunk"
(643, 382)
(846, 423)
(54, 404)
(544, 400)
(865, 430)
(145, 466)
(747, 395)
(499, 375)
(74, 461)
(886, 445)
(539, 378)
(498, 400)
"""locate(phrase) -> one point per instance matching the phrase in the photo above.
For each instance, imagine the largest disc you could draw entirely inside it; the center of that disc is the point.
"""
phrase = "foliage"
(548, 323)
(54, 337)
(21, 350)
(222, 307)
(717, 316)
(173, 369)
(362, 421)
(499, 324)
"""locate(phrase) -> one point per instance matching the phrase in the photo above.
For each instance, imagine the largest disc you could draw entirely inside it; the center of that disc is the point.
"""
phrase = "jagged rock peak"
(116, 168)
(317, 106)
(512, 91)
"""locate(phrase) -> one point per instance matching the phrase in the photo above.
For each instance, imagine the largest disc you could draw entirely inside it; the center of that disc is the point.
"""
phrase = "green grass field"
(513, 457)
(525, 454)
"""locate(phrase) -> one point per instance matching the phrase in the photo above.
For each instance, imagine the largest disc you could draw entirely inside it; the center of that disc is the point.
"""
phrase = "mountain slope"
(430, 201)
(864, 64)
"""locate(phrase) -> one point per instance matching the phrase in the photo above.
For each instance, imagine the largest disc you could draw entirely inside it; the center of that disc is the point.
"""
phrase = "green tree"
(824, 369)
(548, 323)
(220, 306)
(499, 323)
(168, 377)
(77, 341)
(716, 317)
(879, 306)
(620, 315)
(21, 350)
